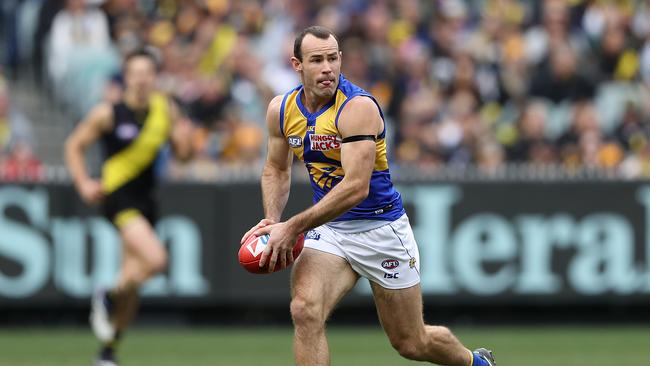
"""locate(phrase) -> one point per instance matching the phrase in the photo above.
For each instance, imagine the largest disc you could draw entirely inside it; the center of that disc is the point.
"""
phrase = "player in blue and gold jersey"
(357, 226)
(315, 139)
(132, 133)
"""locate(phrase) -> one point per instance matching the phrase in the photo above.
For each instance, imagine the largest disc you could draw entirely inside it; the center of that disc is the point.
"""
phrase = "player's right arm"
(98, 120)
(276, 176)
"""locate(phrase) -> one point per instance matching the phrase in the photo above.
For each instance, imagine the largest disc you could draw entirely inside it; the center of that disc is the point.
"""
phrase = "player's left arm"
(181, 133)
(360, 117)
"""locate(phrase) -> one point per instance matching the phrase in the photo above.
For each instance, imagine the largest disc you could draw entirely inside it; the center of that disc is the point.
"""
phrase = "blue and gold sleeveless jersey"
(315, 140)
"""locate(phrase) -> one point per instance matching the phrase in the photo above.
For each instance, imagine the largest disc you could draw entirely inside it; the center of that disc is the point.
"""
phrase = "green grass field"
(525, 346)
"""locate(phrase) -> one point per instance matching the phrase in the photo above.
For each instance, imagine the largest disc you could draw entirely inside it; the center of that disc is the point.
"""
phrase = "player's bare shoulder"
(273, 115)
(100, 117)
(360, 111)
(361, 106)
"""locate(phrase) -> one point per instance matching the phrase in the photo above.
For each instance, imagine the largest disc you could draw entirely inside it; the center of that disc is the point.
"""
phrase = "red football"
(250, 253)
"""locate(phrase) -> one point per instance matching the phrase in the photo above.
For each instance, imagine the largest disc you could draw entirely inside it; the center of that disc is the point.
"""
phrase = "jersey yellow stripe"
(381, 161)
(140, 154)
(295, 123)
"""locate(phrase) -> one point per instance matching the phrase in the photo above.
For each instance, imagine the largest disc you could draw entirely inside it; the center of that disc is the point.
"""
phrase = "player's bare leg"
(143, 257)
(126, 288)
(319, 281)
(409, 335)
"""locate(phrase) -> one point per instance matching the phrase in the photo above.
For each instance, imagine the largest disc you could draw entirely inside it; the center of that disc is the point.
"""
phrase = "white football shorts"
(387, 255)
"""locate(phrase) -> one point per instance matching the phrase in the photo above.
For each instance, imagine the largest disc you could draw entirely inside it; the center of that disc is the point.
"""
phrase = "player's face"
(140, 76)
(321, 65)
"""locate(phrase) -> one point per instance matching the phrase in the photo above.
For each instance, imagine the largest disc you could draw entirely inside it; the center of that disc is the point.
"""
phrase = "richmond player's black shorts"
(121, 206)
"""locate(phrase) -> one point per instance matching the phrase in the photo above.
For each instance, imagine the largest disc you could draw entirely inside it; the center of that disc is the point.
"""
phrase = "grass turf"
(519, 346)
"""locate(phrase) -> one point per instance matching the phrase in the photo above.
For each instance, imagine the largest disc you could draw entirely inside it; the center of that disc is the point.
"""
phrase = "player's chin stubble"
(326, 92)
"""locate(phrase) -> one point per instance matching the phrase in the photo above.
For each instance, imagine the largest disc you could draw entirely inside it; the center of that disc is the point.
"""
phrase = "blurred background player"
(358, 226)
(132, 132)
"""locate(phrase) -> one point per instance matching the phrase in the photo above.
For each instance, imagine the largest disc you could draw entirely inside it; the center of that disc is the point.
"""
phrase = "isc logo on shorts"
(325, 142)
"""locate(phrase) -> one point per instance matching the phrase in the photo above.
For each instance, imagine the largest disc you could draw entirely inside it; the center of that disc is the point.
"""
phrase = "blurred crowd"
(17, 160)
(477, 83)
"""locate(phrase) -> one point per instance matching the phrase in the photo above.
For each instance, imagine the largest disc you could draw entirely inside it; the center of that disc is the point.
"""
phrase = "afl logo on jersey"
(294, 141)
(325, 142)
(126, 131)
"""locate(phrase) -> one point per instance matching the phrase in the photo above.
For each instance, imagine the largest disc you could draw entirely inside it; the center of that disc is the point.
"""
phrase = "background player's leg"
(141, 244)
(144, 256)
(409, 335)
(127, 288)
(319, 281)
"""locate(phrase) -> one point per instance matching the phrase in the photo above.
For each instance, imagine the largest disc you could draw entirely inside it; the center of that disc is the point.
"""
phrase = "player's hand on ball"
(250, 253)
(261, 224)
(279, 249)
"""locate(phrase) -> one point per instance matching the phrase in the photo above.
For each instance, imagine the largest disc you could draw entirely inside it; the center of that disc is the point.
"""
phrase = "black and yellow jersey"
(314, 138)
(131, 149)
(133, 144)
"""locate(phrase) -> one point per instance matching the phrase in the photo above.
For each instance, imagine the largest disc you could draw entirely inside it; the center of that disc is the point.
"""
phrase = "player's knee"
(156, 262)
(305, 313)
(410, 348)
(160, 261)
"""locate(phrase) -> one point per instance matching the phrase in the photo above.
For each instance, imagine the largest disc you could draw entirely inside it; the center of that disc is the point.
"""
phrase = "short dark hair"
(142, 52)
(315, 30)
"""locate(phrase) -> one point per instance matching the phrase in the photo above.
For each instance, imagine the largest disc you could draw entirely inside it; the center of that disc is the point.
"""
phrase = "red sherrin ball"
(250, 253)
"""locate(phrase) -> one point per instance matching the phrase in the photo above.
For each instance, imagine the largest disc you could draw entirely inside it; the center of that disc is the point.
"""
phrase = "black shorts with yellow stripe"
(121, 206)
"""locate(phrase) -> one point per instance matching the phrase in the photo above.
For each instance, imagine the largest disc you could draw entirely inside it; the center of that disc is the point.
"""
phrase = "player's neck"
(312, 102)
(135, 102)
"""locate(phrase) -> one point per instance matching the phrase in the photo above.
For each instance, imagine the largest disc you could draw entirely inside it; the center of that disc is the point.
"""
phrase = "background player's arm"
(359, 117)
(276, 176)
(86, 133)
(181, 133)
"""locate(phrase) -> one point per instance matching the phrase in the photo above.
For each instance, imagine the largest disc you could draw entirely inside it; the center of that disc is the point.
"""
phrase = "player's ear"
(297, 64)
